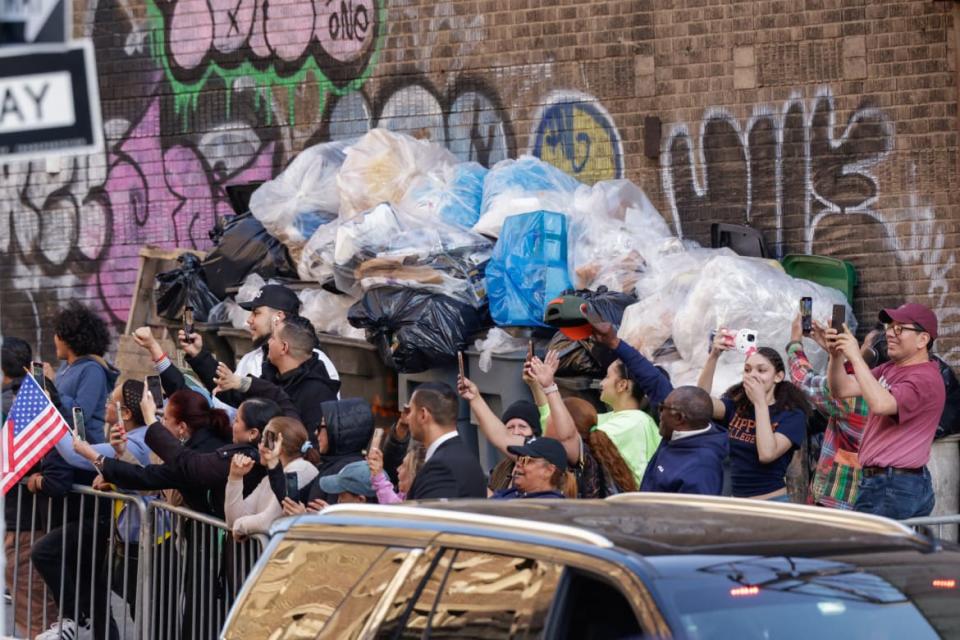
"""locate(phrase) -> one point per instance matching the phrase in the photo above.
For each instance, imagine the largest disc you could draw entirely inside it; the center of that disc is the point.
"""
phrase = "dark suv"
(633, 566)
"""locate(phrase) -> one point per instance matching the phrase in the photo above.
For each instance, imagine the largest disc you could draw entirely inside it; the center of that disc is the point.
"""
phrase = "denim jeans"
(897, 496)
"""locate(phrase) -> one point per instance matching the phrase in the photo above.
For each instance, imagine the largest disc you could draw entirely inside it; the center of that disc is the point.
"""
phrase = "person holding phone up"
(837, 474)
(284, 443)
(765, 417)
(905, 397)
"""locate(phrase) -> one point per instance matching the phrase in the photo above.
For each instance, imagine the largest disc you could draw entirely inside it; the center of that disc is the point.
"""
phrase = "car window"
(787, 597)
(486, 595)
(592, 607)
(407, 614)
(352, 614)
(300, 587)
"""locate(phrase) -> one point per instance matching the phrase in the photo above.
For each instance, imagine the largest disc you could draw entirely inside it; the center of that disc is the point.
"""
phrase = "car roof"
(644, 523)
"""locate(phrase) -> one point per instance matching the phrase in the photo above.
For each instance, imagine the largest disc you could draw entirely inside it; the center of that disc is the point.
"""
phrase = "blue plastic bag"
(528, 268)
(524, 185)
(452, 194)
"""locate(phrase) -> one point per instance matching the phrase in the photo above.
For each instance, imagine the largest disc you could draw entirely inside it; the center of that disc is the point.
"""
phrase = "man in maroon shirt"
(905, 397)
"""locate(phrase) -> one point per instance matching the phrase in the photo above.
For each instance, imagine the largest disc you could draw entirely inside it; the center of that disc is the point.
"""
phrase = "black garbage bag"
(950, 418)
(415, 330)
(244, 247)
(184, 287)
(588, 357)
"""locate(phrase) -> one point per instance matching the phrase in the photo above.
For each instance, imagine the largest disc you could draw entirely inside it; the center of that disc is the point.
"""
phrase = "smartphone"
(376, 440)
(119, 412)
(745, 340)
(839, 317)
(37, 368)
(79, 427)
(530, 350)
(188, 322)
(269, 439)
(806, 314)
(153, 384)
(293, 486)
(460, 363)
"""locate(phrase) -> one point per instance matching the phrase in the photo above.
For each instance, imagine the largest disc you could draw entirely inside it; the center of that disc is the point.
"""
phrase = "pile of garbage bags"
(394, 239)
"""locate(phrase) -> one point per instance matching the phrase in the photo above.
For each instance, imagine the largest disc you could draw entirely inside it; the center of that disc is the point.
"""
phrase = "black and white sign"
(34, 21)
(49, 101)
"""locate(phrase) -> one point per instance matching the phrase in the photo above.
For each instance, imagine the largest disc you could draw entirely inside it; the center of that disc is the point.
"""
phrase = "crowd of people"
(274, 437)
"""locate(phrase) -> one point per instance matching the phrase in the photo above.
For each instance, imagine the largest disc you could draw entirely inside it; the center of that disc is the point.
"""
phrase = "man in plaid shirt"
(837, 475)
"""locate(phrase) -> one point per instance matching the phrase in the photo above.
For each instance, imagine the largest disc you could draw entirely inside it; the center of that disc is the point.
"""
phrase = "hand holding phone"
(38, 374)
(376, 440)
(156, 390)
(79, 427)
(839, 317)
(188, 323)
(806, 315)
(293, 486)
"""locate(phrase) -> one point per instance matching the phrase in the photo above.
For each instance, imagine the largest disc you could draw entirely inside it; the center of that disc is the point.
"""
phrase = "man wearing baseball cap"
(540, 470)
(270, 307)
(905, 397)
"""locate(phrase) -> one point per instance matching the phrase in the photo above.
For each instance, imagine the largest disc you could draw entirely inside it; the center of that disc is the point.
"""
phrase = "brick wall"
(829, 124)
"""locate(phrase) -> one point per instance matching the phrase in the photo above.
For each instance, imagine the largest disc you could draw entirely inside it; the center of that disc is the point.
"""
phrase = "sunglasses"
(525, 460)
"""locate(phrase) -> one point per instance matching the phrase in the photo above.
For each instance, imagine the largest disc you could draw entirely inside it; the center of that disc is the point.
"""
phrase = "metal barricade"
(66, 557)
(131, 568)
(943, 527)
(198, 568)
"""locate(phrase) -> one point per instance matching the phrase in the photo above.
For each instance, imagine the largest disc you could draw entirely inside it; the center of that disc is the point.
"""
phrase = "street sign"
(49, 101)
(34, 21)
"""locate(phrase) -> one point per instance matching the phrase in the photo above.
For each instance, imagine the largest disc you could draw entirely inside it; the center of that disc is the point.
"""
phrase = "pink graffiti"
(286, 29)
(166, 198)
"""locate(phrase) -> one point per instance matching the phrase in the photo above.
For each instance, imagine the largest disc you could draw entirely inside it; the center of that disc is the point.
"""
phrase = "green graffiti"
(186, 94)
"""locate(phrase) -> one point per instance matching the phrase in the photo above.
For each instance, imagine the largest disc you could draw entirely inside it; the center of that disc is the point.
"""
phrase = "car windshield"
(792, 598)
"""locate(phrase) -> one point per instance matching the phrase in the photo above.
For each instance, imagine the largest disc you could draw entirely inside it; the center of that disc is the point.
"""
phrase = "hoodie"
(86, 383)
(693, 464)
(349, 425)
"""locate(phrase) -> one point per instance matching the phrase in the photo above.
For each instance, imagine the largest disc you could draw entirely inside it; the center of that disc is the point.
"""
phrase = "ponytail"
(219, 423)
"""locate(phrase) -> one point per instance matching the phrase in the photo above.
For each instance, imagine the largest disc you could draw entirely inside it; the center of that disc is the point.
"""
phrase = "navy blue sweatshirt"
(688, 465)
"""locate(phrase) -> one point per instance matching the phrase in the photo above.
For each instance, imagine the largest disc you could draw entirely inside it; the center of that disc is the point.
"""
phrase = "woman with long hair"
(291, 448)
(765, 416)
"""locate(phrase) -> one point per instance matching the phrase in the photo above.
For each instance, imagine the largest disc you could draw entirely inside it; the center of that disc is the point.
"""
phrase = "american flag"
(33, 426)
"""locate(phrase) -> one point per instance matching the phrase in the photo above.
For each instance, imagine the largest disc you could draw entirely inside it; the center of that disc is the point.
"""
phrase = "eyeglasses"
(897, 329)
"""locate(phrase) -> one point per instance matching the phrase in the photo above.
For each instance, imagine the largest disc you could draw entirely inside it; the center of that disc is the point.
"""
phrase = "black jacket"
(309, 387)
(452, 472)
(203, 498)
(349, 425)
(209, 470)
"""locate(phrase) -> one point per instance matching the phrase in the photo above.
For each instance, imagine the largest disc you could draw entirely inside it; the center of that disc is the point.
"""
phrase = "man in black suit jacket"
(451, 469)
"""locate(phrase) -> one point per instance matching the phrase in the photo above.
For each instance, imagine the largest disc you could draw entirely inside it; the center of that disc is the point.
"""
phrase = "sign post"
(34, 21)
(49, 101)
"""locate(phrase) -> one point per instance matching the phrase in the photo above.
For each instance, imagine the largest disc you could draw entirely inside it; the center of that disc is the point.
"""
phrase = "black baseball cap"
(275, 296)
(547, 448)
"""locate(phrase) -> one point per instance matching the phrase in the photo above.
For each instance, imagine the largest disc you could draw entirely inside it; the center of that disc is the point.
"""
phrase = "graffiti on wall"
(201, 95)
(794, 172)
(575, 133)
(469, 119)
(784, 160)
(271, 43)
